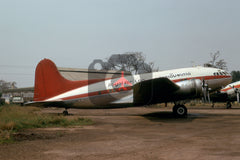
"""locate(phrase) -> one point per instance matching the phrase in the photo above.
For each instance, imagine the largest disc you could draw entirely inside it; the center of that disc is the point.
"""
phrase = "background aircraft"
(228, 94)
(136, 90)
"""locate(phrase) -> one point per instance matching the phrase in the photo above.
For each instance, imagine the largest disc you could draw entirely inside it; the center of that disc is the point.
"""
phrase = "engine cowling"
(189, 89)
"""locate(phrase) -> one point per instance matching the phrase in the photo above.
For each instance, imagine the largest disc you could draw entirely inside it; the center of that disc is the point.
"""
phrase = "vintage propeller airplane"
(228, 94)
(51, 89)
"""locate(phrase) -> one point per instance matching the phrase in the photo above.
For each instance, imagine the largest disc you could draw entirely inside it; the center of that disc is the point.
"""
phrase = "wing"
(153, 91)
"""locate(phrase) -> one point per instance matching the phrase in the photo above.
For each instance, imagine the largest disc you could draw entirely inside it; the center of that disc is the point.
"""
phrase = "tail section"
(49, 82)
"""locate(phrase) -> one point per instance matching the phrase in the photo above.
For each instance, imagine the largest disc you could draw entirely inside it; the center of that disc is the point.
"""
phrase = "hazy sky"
(72, 33)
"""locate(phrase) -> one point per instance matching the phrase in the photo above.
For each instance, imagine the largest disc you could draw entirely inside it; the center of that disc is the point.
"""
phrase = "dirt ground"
(134, 134)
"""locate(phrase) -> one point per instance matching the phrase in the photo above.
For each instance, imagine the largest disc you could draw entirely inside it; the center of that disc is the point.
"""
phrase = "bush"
(2, 101)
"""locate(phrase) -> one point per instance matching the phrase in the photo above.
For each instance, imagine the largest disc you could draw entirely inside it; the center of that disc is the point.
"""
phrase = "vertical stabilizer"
(49, 82)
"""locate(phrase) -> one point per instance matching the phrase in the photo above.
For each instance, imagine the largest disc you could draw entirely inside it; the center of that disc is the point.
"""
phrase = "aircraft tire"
(179, 111)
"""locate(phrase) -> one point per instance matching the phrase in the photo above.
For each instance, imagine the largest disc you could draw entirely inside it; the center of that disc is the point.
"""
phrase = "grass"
(14, 118)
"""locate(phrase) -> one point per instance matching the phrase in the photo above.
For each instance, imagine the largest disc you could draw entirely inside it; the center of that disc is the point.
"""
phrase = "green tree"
(235, 76)
(7, 85)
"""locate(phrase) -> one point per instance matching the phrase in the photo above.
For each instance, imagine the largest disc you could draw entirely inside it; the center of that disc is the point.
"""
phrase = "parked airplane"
(228, 94)
(150, 88)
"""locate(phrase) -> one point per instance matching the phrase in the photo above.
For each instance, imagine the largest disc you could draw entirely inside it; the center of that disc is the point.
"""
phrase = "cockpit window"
(220, 73)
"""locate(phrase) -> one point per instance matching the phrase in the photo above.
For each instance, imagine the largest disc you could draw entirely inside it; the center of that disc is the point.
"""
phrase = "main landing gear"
(179, 110)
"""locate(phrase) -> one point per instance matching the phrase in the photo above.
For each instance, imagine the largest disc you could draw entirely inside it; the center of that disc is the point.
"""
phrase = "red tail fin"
(49, 82)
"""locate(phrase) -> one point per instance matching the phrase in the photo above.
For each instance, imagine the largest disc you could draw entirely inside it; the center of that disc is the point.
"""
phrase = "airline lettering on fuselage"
(174, 75)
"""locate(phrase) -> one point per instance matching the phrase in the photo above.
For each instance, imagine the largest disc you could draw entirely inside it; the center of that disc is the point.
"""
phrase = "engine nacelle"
(189, 89)
(164, 90)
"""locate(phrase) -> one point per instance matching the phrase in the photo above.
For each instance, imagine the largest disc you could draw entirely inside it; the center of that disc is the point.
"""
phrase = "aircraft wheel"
(179, 111)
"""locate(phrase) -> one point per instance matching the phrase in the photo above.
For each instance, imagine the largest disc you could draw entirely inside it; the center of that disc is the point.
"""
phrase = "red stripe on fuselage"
(130, 87)
(203, 78)
(96, 93)
(228, 88)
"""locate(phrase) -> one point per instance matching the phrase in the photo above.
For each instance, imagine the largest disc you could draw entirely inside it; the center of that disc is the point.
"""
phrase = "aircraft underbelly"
(100, 100)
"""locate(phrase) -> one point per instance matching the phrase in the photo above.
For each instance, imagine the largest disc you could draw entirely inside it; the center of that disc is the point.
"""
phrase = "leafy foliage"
(133, 62)
(6, 85)
(235, 76)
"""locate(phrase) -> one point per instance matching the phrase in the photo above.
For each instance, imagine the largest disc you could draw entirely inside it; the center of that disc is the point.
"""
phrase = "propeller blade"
(238, 97)
(208, 94)
(204, 94)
